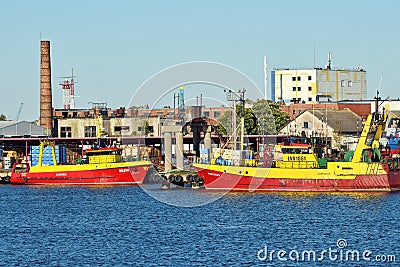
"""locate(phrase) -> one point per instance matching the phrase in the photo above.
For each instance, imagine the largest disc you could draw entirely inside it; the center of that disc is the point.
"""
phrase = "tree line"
(260, 117)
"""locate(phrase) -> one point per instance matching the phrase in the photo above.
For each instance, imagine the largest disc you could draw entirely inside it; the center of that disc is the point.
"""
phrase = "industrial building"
(295, 109)
(78, 123)
(109, 126)
(305, 85)
(21, 129)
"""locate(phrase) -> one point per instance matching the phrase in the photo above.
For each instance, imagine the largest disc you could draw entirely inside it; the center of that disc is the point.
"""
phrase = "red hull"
(394, 180)
(224, 181)
(109, 176)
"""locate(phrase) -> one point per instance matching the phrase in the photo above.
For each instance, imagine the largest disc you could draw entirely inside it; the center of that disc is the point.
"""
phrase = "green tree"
(146, 128)
(225, 123)
(250, 121)
(3, 117)
(270, 117)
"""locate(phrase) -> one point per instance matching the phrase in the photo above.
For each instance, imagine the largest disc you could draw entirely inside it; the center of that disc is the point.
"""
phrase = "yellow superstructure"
(103, 158)
(299, 162)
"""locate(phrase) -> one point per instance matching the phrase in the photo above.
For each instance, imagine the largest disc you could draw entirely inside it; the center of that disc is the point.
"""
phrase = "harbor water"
(124, 226)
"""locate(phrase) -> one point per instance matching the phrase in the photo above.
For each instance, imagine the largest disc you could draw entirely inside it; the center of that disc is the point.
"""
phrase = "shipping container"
(47, 158)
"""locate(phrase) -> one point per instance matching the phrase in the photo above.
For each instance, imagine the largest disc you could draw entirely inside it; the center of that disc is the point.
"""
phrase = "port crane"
(19, 111)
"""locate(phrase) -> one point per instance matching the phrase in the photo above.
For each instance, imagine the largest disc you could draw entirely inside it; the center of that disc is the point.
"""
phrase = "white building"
(343, 127)
(318, 84)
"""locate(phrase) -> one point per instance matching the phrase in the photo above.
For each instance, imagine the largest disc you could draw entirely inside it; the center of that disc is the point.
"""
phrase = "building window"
(206, 114)
(298, 88)
(294, 111)
(310, 99)
(66, 132)
(294, 79)
(309, 78)
(90, 131)
(309, 88)
(298, 78)
(217, 114)
(120, 129)
(349, 83)
(342, 83)
(294, 89)
(139, 129)
(305, 126)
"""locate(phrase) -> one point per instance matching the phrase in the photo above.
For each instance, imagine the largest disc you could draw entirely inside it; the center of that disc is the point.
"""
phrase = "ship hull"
(394, 180)
(119, 174)
(215, 179)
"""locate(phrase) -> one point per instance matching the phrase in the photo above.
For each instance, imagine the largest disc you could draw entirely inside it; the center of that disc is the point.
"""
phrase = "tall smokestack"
(46, 105)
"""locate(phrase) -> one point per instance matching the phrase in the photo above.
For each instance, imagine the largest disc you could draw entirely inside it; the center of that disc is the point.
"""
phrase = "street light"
(234, 97)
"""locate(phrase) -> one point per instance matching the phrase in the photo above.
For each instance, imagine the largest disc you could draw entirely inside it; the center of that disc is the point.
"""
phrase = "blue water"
(124, 226)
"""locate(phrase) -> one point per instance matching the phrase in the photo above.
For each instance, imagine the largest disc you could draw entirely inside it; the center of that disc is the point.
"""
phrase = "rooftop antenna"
(265, 77)
(314, 56)
(68, 86)
(329, 66)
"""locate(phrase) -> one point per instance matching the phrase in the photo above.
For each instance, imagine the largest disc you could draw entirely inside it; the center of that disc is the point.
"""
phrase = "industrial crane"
(19, 111)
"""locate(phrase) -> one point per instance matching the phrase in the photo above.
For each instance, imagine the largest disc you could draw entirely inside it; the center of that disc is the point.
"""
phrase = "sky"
(116, 46)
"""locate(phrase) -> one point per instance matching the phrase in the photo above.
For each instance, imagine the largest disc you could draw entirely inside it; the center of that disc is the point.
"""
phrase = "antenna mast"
(329, 66)
(380, 82)
(68, 86)
(265, 77)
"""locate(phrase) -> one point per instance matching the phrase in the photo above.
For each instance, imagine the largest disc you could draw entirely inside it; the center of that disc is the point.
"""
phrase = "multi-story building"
(306, 85)
(112, 126)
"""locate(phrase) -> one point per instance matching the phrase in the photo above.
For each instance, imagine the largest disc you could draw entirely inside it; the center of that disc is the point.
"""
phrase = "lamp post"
(234, 97)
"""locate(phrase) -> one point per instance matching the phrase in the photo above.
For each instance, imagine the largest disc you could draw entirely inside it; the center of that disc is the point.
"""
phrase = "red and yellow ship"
(104, 166)
(299, 169)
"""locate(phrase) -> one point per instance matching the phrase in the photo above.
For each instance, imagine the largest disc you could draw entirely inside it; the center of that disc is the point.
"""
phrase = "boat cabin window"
(103, 152)
(295, 150)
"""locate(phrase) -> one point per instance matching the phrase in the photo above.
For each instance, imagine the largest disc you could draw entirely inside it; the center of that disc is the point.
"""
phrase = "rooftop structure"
(305, 85)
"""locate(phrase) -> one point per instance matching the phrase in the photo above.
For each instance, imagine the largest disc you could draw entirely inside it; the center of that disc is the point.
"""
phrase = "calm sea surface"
(124, 226)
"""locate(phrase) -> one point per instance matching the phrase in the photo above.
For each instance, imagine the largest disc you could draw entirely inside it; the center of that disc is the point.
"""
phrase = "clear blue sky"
(114, 46)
